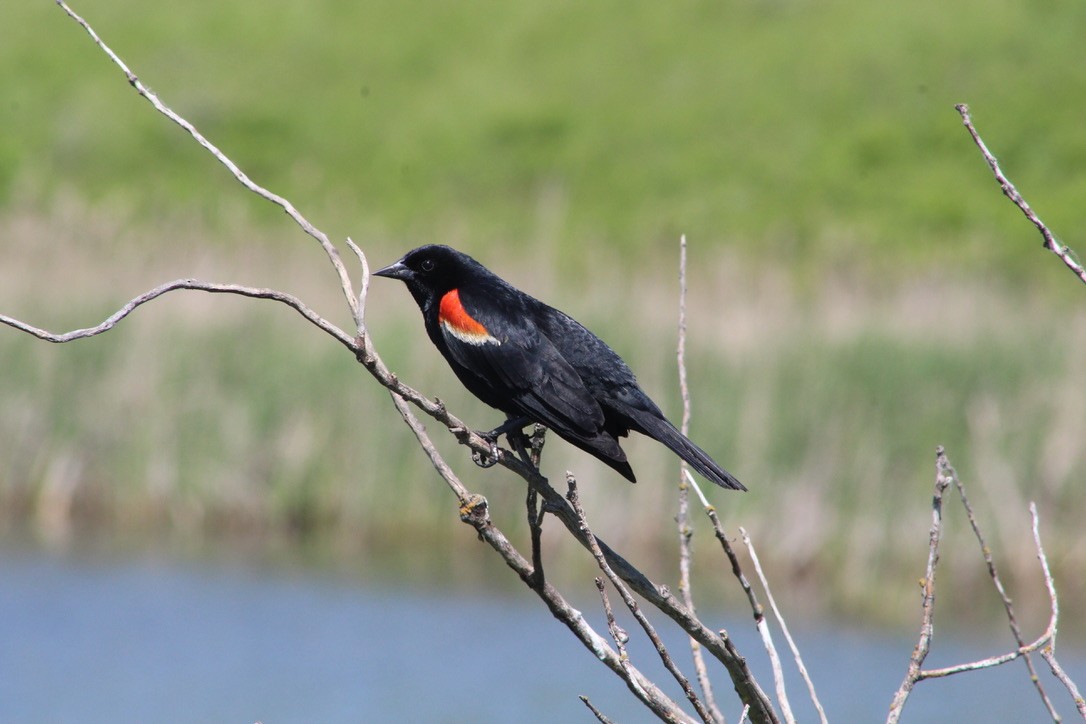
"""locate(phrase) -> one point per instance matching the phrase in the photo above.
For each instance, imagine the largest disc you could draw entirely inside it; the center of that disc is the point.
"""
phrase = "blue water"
(165, 640)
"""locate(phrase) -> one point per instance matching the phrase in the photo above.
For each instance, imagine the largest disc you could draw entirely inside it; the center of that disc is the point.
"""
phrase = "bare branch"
(1045, 643)
(735, 667)
(628, 599)
(927, 624)
(1080, 703)
(1046, 640)
(596, 712)
(1049, 652)
(474, 511)
(320, 236)
(618, 635)
(442, 467)
(682, 518)
(771, 650)
(784, 629)
(1009, 190)
(993, 573)
(1050, 583)
(363, 287)
(258, 293)
(719, 645)
(686, 482)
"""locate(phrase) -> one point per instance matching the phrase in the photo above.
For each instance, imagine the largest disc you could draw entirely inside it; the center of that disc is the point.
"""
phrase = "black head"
(430, 271)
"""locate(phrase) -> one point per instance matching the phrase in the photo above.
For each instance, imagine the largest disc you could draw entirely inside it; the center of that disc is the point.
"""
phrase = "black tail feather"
(663, 431)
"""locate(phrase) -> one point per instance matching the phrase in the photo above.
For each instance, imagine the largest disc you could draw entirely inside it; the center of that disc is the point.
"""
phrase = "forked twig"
(997, 581)
(631, 603)
(927, 622)
(618, 635)
(1045, 643)
(756, 608)
(363, 286)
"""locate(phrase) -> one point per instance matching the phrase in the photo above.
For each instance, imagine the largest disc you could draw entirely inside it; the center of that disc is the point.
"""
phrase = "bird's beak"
(399, 270)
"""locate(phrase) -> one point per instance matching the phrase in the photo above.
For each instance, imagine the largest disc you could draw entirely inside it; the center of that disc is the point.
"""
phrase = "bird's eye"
(427, 265)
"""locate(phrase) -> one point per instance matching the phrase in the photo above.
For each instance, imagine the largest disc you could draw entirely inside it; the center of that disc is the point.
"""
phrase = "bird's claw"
(487, 459)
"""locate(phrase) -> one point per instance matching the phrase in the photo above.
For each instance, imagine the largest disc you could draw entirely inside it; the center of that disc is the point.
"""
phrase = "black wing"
(522, 365)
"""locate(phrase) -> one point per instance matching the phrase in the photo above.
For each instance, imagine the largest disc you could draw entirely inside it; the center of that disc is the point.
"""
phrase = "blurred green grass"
(861, 291)
(825, 130)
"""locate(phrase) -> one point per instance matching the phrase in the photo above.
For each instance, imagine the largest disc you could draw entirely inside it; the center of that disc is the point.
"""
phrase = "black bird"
(535, 363)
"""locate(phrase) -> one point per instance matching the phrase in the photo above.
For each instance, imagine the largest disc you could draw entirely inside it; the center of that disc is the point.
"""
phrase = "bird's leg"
(512, 424)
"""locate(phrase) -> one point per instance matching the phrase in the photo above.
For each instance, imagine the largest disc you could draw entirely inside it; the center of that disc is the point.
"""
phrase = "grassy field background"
(860, 291)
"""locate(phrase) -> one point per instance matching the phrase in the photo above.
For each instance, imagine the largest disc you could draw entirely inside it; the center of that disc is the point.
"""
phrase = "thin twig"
(1050, 657)
(927, 623)
(1049, 651)
(194, 284)
(631, 603)
(595, 712)
(1008, 606)
(618, 635)
(363, 286)
(150, 96)
(737, 569)
(729, 551)
(726, 545)
(682, 518)
(774, 659)
(784, 628)
(1050, 241)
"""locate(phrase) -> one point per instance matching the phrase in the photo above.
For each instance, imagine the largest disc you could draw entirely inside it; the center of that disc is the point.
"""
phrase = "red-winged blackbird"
(535, 363)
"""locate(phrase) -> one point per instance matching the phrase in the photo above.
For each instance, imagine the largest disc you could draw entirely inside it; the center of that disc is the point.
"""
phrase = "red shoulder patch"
(452, 314)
